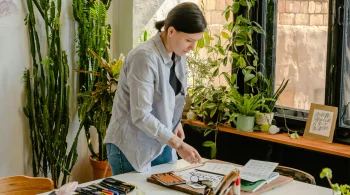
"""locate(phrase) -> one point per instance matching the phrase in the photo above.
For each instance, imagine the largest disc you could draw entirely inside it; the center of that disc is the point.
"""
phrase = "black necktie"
(173, 80)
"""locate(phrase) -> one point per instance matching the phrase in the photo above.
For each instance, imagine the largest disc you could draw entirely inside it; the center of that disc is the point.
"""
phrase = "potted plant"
(96, 109)
(264, 118)
(97, 83)
(246, 107)
(343, 189)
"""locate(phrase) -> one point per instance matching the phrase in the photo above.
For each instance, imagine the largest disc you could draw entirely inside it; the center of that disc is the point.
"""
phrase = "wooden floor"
(283, 138)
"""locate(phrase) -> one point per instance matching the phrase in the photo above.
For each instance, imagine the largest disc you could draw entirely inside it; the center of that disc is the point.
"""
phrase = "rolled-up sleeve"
(140, 79)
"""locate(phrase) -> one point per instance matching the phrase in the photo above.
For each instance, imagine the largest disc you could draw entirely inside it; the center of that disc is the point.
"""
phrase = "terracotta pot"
(98, 169)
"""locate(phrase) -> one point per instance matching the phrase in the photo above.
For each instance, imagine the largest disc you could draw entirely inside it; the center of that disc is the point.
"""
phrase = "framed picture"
(321, 122)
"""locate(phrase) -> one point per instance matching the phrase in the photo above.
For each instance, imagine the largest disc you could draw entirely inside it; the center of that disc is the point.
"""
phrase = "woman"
(145, 128)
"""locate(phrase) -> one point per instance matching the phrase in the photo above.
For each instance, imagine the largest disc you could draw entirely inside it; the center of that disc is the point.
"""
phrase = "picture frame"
(321, 122)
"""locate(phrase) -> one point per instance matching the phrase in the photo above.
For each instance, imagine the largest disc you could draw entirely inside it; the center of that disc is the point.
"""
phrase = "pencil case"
(168, 179)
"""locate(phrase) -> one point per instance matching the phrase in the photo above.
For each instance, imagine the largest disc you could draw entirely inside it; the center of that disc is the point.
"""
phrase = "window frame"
(334, 63)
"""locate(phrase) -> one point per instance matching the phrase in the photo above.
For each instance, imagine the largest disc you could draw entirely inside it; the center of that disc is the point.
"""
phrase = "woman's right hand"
(189, 154)
(185, 151)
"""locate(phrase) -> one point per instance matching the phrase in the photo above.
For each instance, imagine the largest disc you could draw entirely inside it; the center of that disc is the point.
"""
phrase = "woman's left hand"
(179, 131)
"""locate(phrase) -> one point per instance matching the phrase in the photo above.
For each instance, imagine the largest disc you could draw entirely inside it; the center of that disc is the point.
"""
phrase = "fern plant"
(47, 95)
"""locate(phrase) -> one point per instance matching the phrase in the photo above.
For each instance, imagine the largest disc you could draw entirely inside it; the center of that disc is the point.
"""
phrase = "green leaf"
(216, 72)
(224, 61)
(213, 152)
(210, 105)
(212, 112)
(235, 7)
(326, 172)
(254, 80)
(227, 15)
(241, 62)
(208, 144)
(239, 43)
(250, 67)
(233, 78)
(227, 78)
(207, 131)
(243, 2)
(222, 51)
(235, 55)
(243, 19)
(200, 43)
(225, 35)
(251, 49)
(230, 26)
(294, 135)
(248, 77)
(258, 30)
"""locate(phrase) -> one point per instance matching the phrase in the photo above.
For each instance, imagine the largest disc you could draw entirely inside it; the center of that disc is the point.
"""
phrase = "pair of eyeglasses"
(203, 182)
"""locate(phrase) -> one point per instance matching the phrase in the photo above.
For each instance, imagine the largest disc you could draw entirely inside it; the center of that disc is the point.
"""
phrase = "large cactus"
(93, 35)
(47, 94)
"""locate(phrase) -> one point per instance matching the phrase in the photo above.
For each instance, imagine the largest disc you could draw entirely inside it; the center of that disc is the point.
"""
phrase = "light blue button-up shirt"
(145, 109)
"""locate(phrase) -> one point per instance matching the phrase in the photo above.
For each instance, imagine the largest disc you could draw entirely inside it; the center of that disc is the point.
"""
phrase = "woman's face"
(182, 43)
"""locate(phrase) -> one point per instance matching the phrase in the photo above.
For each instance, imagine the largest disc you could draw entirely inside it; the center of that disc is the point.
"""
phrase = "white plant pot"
(264, 118)
(191, 115)
(336, 192)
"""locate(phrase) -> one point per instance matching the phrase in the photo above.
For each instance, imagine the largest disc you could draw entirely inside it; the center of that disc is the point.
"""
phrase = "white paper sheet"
(220, 168)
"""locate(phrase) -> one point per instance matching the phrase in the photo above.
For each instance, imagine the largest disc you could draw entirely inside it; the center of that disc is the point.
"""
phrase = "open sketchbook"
(214, 172)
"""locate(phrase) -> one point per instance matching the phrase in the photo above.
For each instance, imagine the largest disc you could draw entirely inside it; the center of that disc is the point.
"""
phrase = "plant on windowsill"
(246, 106)
(264, 118)
(343, 189)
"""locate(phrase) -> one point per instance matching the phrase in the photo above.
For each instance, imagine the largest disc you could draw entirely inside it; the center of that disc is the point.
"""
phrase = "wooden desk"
(139, 179)
(311, 144)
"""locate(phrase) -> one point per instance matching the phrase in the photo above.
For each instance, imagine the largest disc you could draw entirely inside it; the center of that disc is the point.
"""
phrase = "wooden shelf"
(311, 144)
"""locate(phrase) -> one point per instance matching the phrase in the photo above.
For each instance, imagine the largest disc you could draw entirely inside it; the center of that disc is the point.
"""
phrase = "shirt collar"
(162, 50)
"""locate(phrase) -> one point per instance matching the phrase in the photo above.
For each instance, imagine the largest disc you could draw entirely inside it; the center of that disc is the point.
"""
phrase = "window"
(313, 51)
(302, 29)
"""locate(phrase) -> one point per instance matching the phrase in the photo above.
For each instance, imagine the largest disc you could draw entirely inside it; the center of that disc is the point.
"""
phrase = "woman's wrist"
(176, 143)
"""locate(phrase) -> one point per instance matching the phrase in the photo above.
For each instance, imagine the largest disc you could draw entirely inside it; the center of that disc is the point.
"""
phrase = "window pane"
(345, 82)
(301, 51)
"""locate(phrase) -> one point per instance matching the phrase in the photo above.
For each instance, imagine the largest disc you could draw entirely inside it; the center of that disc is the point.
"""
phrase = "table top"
(139, 179)
(283, 138)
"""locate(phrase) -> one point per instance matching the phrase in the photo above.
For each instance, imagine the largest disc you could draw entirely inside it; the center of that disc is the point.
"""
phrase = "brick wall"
(305, 12)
